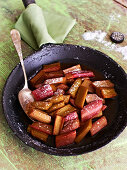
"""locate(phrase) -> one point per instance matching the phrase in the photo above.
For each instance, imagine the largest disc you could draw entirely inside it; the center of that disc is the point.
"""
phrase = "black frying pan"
(116, 112)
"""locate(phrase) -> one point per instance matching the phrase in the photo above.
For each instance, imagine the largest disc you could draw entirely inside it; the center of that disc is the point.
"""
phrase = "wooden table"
(92, 16)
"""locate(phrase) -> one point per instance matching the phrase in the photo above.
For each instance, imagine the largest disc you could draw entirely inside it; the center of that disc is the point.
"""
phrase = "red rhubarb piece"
(92, 97)
(91, 110)
(98, 125)
(104, 107)
(43, 127)
(71, 116)
(77, 74)
(42, 92)
(65, 139)
(70, 126)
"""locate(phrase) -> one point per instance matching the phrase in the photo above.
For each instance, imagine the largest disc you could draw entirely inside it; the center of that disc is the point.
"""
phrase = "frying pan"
(116, 112)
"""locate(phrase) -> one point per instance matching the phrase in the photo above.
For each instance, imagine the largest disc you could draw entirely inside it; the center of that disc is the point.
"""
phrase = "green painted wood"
(103, 15)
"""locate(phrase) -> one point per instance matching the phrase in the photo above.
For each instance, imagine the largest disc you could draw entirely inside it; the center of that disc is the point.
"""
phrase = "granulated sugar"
(99, 36)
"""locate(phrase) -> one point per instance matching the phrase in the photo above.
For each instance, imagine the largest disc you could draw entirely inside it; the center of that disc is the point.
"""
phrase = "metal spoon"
(25, 97)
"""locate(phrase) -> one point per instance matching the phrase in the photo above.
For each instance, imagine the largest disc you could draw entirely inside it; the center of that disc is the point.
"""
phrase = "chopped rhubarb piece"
(71, 69)
(98, 114)
(71, 116)
(54, 74)
(55, 80)
(81, 96)
(65, 139)
(74, 88)
(56, 106)
(72, 101)
(42, 92)
(39, 135)
(63, 86)
(52, 67)
(91, 110)
(38, 78)
(66, 99)
(103, 83)
(92, 97)
(65, 110)
(56, 99)
(40, 116)
(59, 92)
(104, 107)
(84, 129)
(108, 92)
(98, 125)
(57, 124)
(78, 74)
(42, 105)
(88, 84)
(46, 128)
(70, 126)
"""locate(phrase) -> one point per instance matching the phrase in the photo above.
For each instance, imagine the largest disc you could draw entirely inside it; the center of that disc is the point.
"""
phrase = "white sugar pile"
(99, 36)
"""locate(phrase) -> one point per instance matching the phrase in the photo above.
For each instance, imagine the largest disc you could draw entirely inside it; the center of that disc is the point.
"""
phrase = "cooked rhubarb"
(57, 125)
(39, 135)
(56, 99)
(66, 99)
(43, 127)
(108, 92)
(65, 139)
(74, 88)
(71, 116)
(73, 68)
(63, 86)
(98, 125)
(88, 84)
(42, 92)
(53, 87)
(70, 126)
(65, 110)
(55, 107)
(78, 74)
(84, 129)
(52, 67)
(92, 97)
(59, 92)
(39, 115)
(38, 78)
(91, 109)
(55, 80)
(54, 74)
(81, 96)
(103, 83)
(42, 105)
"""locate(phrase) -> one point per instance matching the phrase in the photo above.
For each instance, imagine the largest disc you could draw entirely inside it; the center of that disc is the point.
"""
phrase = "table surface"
(95, 18)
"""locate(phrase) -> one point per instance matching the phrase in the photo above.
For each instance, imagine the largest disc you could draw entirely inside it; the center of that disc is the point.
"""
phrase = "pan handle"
(28, 2)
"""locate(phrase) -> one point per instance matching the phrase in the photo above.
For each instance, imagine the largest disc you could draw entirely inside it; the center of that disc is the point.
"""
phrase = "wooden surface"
(93, 17)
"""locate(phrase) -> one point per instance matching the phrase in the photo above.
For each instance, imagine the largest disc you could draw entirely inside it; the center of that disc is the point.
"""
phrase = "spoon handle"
(15, 35)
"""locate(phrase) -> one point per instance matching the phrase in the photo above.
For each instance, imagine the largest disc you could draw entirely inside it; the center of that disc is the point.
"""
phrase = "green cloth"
(38, 27)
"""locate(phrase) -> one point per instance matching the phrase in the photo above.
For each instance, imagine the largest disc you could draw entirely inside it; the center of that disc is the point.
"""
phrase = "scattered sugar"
(100, 36)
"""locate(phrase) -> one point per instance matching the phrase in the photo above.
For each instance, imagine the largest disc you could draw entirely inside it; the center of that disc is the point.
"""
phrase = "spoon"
(25, 97)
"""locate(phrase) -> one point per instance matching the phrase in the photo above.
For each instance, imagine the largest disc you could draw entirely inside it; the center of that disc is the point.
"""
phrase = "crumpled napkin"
(38, 27)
